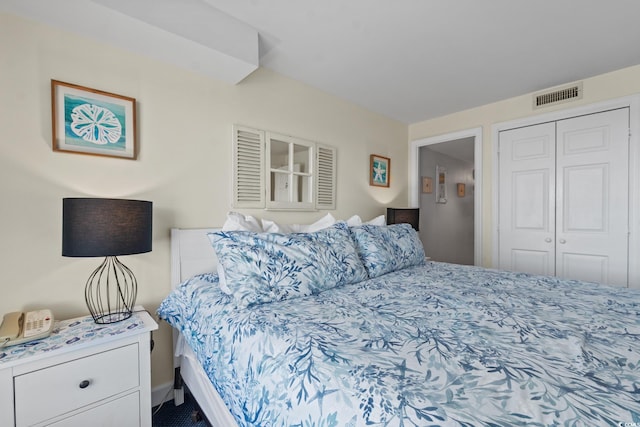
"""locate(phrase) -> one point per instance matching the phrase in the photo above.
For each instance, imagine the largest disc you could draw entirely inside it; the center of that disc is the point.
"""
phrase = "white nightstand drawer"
(53, 391)
(122, 412)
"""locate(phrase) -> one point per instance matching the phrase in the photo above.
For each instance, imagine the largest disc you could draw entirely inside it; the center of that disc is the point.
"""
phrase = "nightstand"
(83, 374)
(404, 215)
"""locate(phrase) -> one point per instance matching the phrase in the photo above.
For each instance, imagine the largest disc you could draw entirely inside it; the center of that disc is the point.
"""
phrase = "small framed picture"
(427, 184)
(441, 187)
(461, 189)
(90, 121)
(380, 171)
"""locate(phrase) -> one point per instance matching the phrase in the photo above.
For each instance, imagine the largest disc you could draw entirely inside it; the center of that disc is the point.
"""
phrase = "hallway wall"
(446, 230)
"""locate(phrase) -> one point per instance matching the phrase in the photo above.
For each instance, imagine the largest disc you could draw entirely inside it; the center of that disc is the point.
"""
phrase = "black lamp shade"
(94, 227)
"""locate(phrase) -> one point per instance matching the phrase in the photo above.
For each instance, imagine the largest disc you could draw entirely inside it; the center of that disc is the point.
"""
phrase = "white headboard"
(191, 253)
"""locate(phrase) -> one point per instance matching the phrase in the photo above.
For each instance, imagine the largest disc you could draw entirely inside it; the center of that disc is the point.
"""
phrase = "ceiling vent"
(558, 96)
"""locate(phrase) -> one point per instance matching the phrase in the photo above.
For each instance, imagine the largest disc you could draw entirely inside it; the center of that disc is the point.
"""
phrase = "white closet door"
(527, 198)
(593, 197)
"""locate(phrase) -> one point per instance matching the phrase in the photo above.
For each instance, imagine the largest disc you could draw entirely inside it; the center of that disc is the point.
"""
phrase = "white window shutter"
(248, 168)
(326, 177)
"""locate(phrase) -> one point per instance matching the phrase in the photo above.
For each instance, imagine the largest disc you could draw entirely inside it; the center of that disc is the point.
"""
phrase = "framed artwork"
(427, 185)
(90, 121)
(461, 189)
(379, 171)
(441, 187)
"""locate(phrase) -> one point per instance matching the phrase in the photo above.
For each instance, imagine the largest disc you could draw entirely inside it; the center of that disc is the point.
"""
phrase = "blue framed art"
(379, 171)
(90, 121)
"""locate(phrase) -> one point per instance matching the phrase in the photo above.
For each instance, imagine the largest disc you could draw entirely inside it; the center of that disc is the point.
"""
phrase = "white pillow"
(238, 222)
(273, 227)
(355, 221)
(379, 220)
(269, 226)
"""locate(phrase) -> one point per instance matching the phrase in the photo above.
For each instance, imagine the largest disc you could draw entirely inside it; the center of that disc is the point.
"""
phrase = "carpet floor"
(170, 415)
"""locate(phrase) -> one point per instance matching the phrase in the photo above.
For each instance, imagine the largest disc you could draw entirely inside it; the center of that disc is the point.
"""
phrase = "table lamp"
(96, 227)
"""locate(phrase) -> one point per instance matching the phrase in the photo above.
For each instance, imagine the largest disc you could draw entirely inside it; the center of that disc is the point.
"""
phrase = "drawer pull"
(85, 384)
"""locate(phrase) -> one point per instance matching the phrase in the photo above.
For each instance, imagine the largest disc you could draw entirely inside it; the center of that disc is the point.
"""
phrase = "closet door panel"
(527, 197)
(591, 268)
(593, 197)
(585, 205)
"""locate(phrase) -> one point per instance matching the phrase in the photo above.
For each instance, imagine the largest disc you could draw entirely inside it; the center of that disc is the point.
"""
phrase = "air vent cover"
(558, 96)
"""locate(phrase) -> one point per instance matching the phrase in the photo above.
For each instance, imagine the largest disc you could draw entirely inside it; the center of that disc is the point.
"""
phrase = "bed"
(412, 343)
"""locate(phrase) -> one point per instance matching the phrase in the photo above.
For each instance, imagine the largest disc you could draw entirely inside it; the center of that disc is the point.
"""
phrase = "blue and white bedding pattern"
(433, 344)
(265, 267)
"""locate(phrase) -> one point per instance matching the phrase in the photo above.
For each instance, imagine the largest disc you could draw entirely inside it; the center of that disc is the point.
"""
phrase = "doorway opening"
(445, 183)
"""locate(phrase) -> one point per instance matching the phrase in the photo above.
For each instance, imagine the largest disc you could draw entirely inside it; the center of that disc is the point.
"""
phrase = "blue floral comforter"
(437, 344)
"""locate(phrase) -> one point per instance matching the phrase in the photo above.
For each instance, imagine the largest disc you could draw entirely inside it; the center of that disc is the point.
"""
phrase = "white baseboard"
(161, 393)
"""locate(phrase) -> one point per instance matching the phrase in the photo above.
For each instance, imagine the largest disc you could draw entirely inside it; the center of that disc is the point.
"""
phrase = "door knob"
(563, 241)
(548, 240)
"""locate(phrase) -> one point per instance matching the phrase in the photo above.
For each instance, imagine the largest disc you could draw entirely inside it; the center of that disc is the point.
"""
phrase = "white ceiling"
(410, 60)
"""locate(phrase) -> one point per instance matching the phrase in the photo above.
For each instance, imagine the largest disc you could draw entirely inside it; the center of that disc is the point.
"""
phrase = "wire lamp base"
(111, 292)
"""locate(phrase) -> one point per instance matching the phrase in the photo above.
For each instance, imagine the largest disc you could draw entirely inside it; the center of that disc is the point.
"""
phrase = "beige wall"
(184, 166)
(608, 86)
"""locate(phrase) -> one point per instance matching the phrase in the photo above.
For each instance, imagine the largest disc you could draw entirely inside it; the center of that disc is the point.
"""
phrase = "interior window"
(291, 173)
(275, 171)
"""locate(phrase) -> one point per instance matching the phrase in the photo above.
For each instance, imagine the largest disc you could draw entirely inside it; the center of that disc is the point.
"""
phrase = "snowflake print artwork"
(95, 124)
(91, 121)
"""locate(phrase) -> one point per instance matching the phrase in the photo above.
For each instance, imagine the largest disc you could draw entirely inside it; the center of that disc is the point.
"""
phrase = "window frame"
(252, 170)
(292, 141)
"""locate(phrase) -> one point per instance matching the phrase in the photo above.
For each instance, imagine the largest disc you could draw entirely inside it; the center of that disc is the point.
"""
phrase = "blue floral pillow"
(265, 267)
(384, 249)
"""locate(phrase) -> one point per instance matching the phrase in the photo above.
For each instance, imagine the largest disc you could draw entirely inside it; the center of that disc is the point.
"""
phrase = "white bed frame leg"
(178, 396)
(178, 387)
